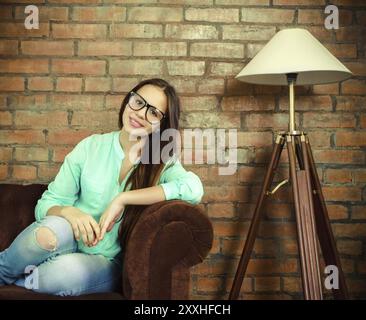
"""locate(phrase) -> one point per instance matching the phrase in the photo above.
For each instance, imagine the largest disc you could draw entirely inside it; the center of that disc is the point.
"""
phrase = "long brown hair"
(147, 174)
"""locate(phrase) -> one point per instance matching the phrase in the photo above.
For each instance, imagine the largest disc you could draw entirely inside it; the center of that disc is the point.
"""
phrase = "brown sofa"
(169, 238)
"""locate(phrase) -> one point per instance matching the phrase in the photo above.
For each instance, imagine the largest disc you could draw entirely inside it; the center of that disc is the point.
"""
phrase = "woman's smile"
(134, 123)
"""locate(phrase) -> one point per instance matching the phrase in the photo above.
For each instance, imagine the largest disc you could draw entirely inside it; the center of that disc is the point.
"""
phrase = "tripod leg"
(314, 255)
(304, 222)
(299, 222)
(325, 234)
(253, 230)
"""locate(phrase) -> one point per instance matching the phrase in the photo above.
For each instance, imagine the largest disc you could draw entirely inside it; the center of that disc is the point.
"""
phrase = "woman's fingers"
(96, 229)
(89, 232)
(83, 232)
(75, 228)
(106, 223)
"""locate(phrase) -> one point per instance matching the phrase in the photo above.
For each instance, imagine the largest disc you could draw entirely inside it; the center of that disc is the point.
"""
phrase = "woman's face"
(134, 121)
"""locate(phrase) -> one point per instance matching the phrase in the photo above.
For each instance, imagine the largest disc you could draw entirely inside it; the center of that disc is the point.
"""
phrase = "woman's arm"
(143, 196)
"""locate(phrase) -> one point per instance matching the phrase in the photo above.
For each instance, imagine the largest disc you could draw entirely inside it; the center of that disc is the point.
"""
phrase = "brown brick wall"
(65, 81)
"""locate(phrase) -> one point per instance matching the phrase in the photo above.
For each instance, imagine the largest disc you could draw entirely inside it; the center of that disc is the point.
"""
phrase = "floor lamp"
(295, 57)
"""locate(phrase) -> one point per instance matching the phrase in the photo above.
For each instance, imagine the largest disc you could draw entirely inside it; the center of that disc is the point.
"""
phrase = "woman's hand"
(82, 224)
(110, 216)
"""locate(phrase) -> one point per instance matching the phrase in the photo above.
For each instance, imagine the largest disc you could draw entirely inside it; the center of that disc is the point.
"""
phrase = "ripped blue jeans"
(61, 269)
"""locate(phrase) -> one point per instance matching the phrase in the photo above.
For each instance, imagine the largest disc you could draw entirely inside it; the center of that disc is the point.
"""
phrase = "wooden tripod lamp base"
(312, 219)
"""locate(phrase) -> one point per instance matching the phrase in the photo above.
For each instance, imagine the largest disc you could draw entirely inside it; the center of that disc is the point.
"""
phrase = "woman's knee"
(46, 238)
(54, 232)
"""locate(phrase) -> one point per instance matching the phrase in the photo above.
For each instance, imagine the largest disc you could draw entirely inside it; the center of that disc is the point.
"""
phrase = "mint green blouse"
(88, 180)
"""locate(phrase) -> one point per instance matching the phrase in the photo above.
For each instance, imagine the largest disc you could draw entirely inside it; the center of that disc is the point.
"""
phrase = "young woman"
(84, 218)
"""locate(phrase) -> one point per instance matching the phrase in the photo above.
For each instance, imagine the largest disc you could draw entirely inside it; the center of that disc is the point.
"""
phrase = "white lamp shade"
(294, 51)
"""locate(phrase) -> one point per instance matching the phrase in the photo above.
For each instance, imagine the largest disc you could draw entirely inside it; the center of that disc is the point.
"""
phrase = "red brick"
(77, 66)
(330, 88)
(45, 13)
(342, 193)
(152, 48)
(350, 139)
(296, 3)
(98, 14)
(83, 31)
(336, 212)
(270, 266)
(217, 50)
(47, 48)
(212, 15)
(228, 229)
(339, 156)
(292, 284)
(11, 84)
(24, 172)
(12, 29)
(318, 138)
(248, 33)
(37, 101)
(5, 118)
(186, 68)
(76, 1)
(4, 171)
(22, 136)
(225, 69)
(360, 176)
(123, 84)
(190, 31)
(40, 84)
(34, 119)
(31, 154)
(97, 84)
(363, 121)
(104, 119)
(267, 284)
(359, 212)
(211, 86)
(8, 47)
(221, 210)
(68, 84)
(306, 103)
(349, 229)
(103, 48)
(135, 67)
(255, 139)
(136, 30)
(201, 103)
(350, 103)
(248, 103)
(267, 15)
(349, 247)
(338, 176)
(67, 136)
(6, 12)
(353, 86)
(76, 102)
(328, 120)
(24, 66)
(5, 153)
(155, 14)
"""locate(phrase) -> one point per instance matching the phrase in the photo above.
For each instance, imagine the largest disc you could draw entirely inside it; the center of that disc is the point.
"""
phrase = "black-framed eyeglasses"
(152, 114)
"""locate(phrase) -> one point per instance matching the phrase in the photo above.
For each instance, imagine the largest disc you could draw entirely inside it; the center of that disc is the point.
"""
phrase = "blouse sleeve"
(178, 183)
(64, 189)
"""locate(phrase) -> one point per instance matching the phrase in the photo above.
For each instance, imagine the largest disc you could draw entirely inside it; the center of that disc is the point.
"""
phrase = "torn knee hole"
(46, 238)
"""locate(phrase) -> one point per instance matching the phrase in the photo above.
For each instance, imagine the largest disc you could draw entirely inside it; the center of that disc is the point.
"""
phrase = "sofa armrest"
(169, 238)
